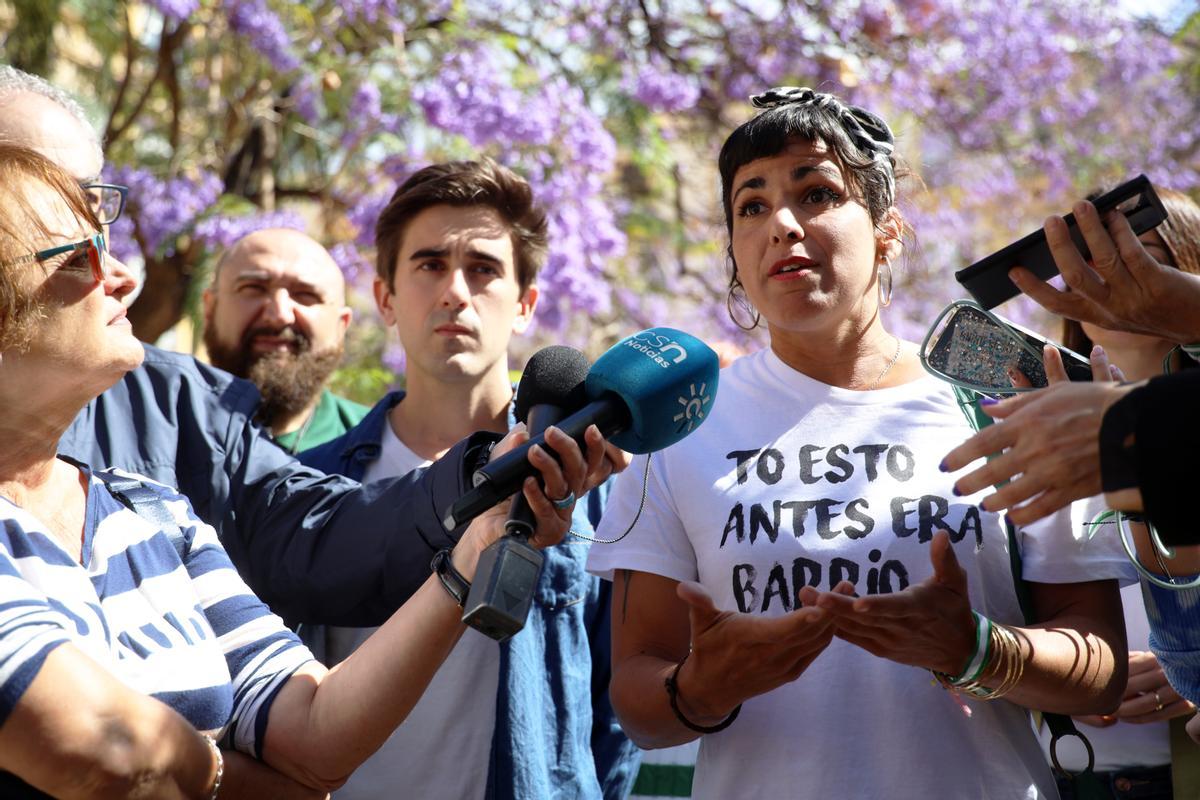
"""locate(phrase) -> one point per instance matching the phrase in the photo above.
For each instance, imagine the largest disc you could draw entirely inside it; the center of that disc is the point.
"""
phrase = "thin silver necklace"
(890, 364)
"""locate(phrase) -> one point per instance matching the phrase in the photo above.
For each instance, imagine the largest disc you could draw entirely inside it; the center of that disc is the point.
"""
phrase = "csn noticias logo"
(661, 349)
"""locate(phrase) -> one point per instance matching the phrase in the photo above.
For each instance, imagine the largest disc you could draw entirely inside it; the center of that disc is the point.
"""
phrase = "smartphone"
(975, 348)
(987, 279)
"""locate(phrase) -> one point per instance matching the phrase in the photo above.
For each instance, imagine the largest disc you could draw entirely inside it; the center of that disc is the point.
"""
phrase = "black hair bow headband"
(868, 132)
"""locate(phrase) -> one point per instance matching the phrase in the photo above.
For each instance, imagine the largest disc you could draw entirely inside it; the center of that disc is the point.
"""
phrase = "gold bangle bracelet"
(1004, 660)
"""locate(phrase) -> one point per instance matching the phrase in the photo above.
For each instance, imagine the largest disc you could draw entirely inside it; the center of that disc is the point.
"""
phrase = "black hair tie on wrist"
(673, 696)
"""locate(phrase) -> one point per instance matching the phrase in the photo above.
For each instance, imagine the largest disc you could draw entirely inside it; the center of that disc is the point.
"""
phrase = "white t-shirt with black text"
(792, 482)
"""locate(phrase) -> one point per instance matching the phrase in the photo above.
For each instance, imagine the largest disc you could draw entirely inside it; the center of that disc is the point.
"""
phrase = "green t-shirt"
(332, 417)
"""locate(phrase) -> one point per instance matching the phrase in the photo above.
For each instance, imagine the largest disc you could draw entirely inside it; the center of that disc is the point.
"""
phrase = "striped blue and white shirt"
(188, 632)
(1175, 635)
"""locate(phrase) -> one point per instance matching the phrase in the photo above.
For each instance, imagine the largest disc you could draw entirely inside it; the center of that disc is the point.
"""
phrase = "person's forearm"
(1129, 499)
(1185, 559)
(78, 732)
(639, 697)
(1064, 670)
(247, 778)
(1141, 440)
(323, 725)
(1175, 636)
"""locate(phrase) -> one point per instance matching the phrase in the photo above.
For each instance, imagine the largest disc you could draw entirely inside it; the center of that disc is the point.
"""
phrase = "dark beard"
(287, 381)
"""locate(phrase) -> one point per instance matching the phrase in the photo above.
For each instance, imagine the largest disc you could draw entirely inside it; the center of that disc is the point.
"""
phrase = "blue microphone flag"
(645, 393)
(668, 380)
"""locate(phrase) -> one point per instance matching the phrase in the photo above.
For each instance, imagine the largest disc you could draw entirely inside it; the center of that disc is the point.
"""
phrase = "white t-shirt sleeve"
(657, 542)
(1066, 548)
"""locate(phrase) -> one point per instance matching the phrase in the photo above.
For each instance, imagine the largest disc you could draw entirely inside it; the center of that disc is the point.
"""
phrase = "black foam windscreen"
(554, 376)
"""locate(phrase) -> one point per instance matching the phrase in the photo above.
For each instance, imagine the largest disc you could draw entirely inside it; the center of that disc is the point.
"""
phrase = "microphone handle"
(502, 477)
(521, 521)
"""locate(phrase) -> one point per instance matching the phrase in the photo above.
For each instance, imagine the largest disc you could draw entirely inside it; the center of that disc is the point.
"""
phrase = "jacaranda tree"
(227, 115)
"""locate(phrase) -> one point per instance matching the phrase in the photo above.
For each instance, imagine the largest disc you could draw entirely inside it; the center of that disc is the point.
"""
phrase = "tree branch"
(166, 61)
(115, 131)
(123, 86)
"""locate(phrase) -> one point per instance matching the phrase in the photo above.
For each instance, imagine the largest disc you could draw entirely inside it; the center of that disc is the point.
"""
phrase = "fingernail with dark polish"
(955, 491)
(943, 466)
(985, 400)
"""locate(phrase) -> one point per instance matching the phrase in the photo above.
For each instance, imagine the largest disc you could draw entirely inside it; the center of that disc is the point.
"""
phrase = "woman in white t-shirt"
(816, 479)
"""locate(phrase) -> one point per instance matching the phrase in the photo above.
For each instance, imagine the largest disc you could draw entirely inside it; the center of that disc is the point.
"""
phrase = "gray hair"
(13, 80)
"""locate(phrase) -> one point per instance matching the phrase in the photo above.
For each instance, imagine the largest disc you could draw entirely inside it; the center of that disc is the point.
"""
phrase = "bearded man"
(276, 314)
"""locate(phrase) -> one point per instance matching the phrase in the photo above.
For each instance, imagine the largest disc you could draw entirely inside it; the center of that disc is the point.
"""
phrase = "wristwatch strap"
(455, 584)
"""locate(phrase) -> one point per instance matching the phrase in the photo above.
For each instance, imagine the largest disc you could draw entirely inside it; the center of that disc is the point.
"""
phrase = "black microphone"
(551, 387)
(646, 392)
(505, 579)
(503, 476)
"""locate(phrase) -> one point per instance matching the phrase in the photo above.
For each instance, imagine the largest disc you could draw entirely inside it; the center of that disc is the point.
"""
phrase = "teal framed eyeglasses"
(94, 247)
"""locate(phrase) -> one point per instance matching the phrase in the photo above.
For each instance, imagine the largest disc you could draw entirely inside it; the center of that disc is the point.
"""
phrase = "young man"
(459, 246)
(276, 315)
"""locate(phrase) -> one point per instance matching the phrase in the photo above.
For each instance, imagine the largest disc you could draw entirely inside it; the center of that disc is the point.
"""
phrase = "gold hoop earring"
(885, 283)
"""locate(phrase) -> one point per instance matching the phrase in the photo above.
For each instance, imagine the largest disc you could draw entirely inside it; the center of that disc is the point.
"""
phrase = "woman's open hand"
(737, 656)
(927, 625)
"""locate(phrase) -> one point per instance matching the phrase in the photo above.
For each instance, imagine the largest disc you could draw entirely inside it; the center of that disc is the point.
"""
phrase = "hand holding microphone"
(646, 393)
(501, 595)
(551, 387)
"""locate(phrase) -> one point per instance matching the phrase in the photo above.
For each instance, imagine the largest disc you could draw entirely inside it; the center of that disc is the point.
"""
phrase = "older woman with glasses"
(129, 646)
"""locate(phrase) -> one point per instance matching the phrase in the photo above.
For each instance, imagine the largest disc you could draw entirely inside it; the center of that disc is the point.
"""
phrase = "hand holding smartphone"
(971, 347)
(987, 279)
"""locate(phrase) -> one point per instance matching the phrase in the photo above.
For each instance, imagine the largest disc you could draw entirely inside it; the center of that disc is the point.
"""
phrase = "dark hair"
(465, 183)
(1180, 233)
(20, 228)
(772, 131)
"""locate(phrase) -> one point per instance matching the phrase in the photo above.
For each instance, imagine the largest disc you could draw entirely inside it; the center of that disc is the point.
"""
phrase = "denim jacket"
(542, 748)
(191, 426)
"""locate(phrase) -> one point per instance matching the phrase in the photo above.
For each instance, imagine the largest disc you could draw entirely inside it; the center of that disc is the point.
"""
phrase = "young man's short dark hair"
(465, 183)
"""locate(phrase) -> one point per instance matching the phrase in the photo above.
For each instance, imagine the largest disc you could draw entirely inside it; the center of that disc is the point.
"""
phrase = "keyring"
(1091, 754)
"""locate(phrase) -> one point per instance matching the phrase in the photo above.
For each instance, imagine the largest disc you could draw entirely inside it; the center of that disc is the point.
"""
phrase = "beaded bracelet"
(673, 696)
(220, 758)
